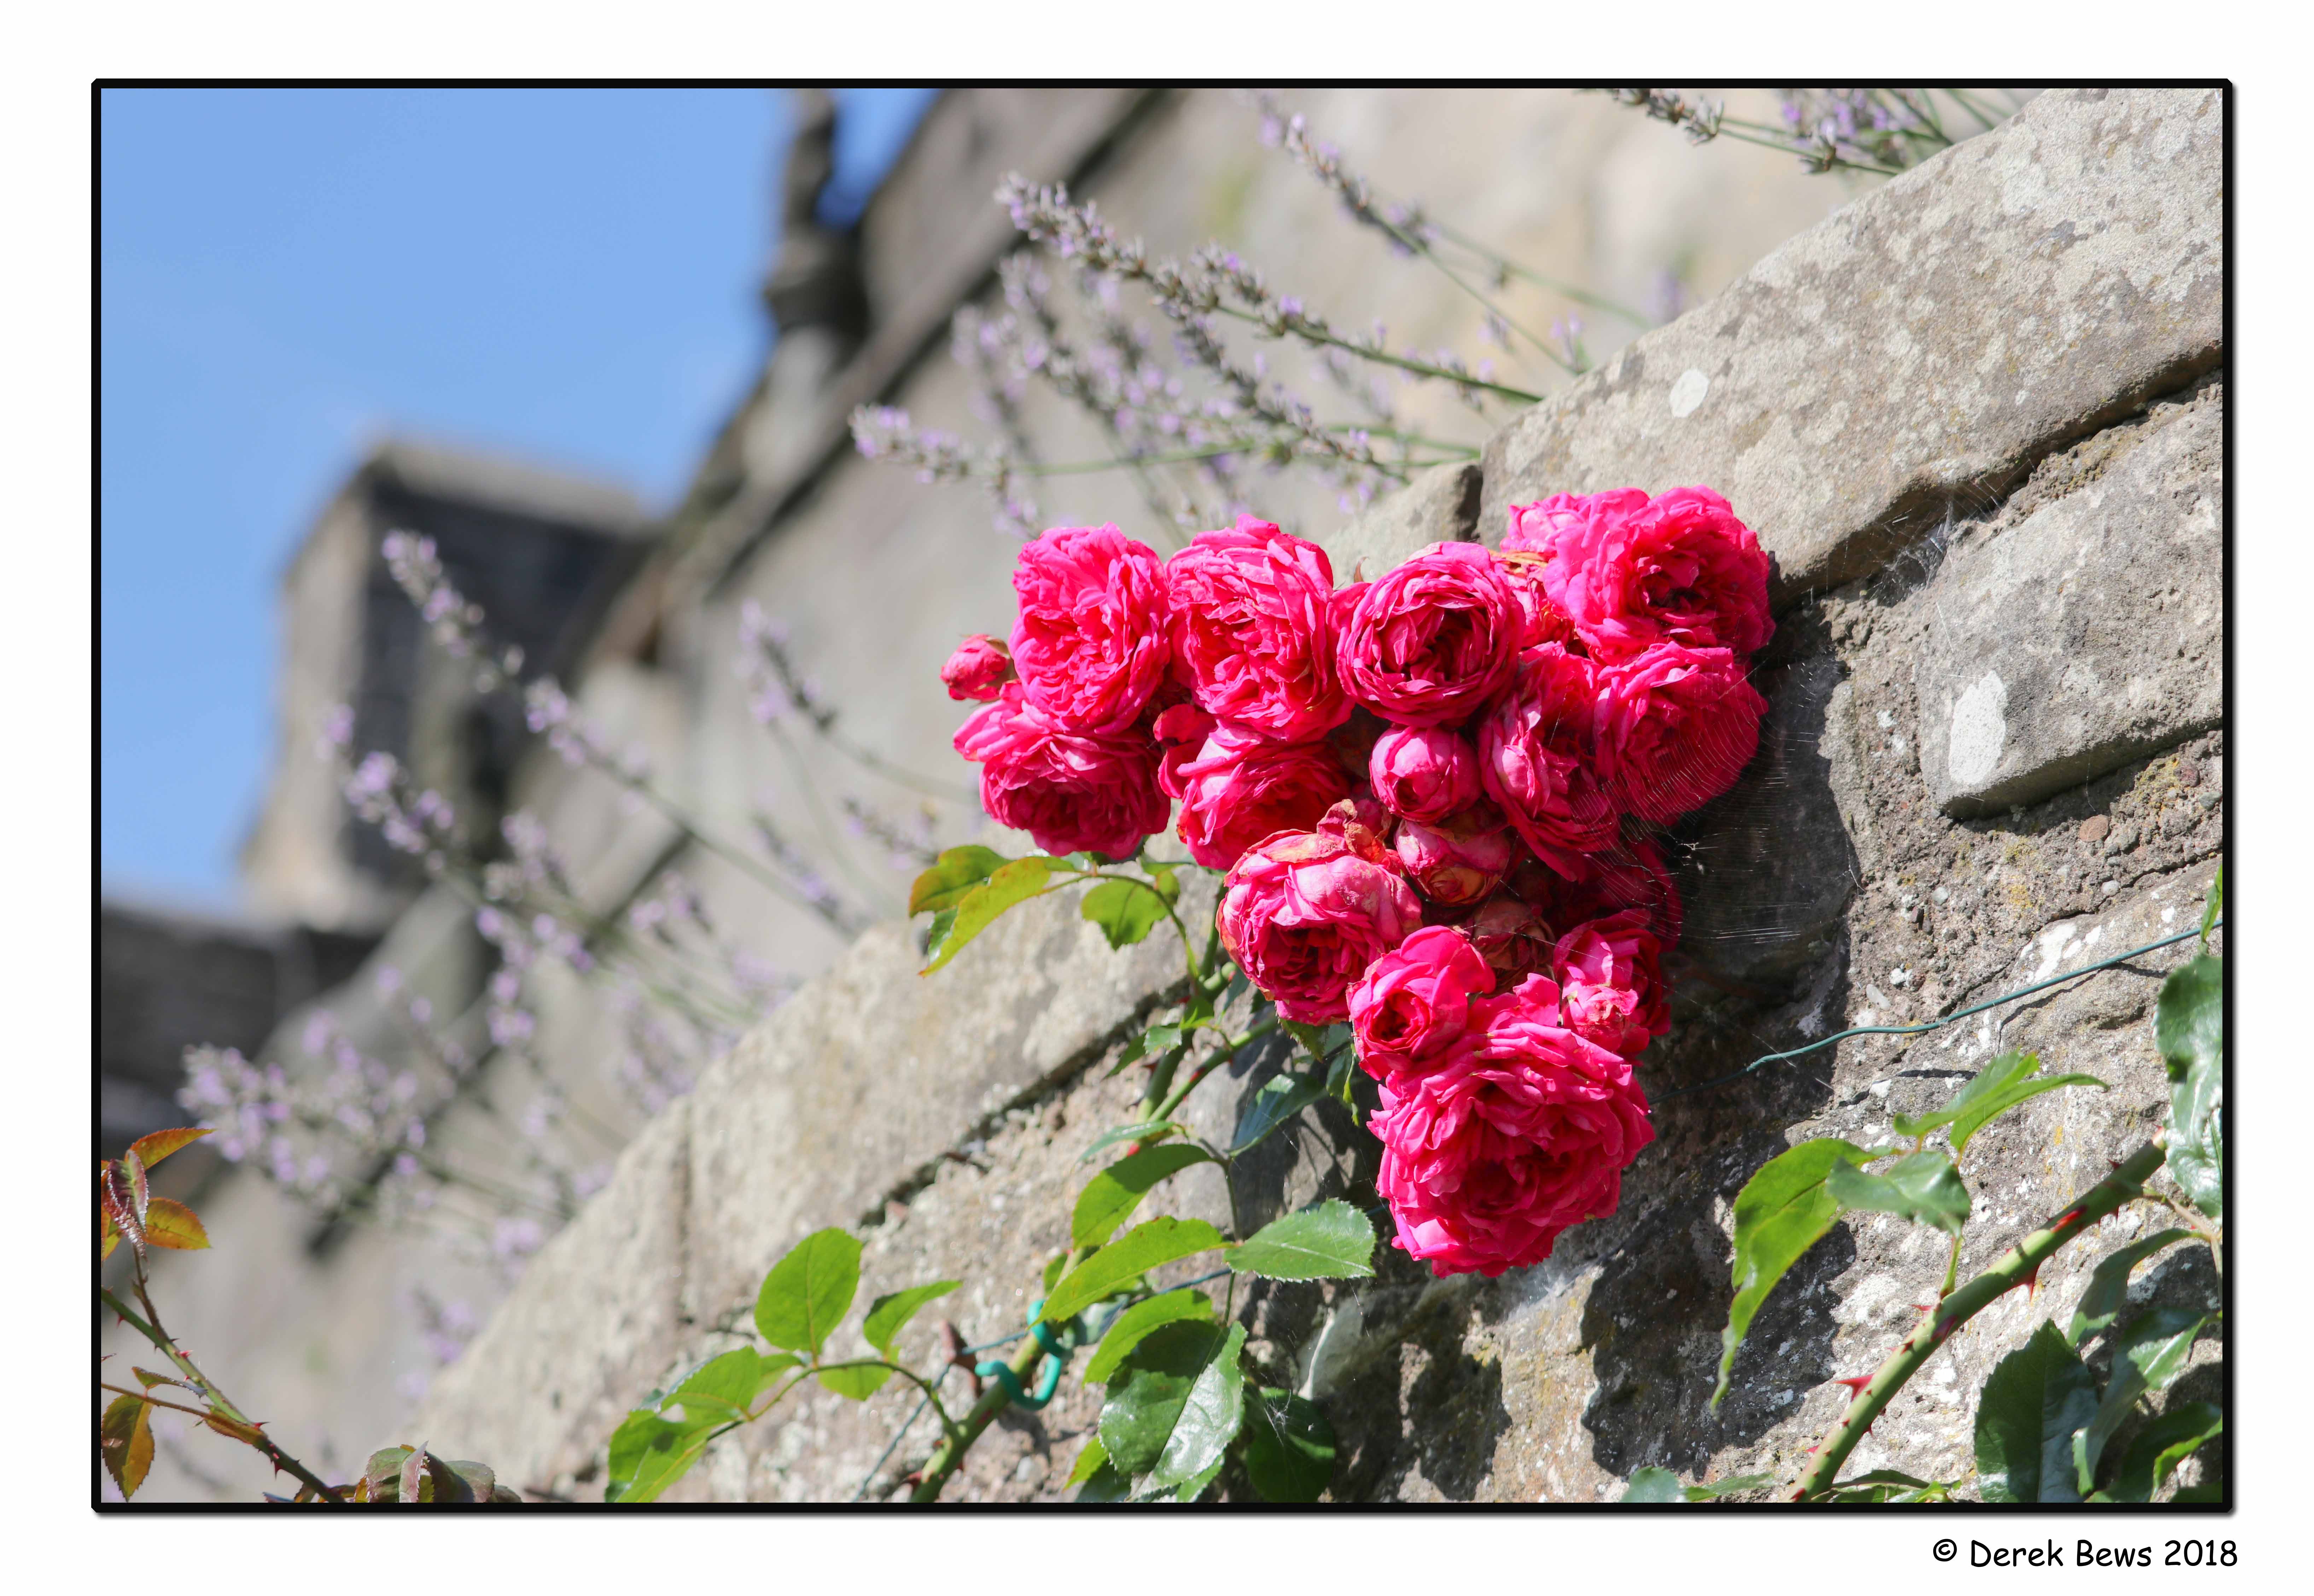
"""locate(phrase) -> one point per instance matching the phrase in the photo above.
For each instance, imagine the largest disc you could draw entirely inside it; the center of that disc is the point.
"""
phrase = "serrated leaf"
(1175, 1405)
(648, 1453)
(108, 1233)
(1130, 1256)
(936, 934)
(1924, 1189)
(1278, 1100)
(1013, 884)
(1313, 1037)
(383, 1471)
(462, 1481)
(2189, 1029)
(955, 873)
(858, 1382)
(2108, 1287)
(1105, 1485)
(1209, 1422)
(1052, 1267)
(1109, 1198)
(1152, 1130)
(1887, 1485)
(1289, 1447)
(125, 1438)
(170, 1223)
(1654, 1485)
(1092, 1457)
(1129, 1328)
(140, 1189)
(2214, 904)
(1783, 1211)
(414, 1482)
(152, 1149)
(2148, 1358)
(1729, 1487)
(725, 1387)
(1331, 1241)
(1191, 1489)
(809, 1291)
(2033, 1403)
(2156, 1451)
(887, 1315)
(1126, 911)
(117, 1203)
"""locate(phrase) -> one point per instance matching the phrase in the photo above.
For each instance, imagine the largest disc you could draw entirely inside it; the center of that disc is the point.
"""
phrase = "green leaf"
(976, 911)
(1169, 883)
(725, 1387)
(2165, 1442)
(1148, 1393)
(2034, 1400)
(1052, 1267)
(1126, 911)
(1278, 1100)
(1313, 1037)
(125, 1440)
(1090, 1459)
(1149, 1130)
(957, 872)
(1924, 1189)
(2189, 1028)
(2108, 1287)
(1109, 1200)
(1729, 1487)
(809, 1291)
(1332, 1241)
(1209, 1421)
(2214, 905)
(1191, 1489)
(1132, 1326)
(1653, 1484)
(936, 933)
(649, 1453)
(1887, 1485)
(1127, 1258)
(858, 1382)
(2150, 1357)
(1783, 1211)
(1289, 1447)
(1105, 1485)
(887, 1315)
(2008, 1081)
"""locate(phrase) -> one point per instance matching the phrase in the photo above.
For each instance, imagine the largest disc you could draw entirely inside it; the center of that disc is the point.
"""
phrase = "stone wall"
(1976, 417)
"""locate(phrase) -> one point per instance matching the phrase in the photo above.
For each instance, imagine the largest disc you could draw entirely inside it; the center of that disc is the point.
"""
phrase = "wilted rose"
(1462, 859)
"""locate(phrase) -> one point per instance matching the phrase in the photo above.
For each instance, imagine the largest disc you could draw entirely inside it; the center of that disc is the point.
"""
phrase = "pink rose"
(1522, 1128)
(1253, 630)
(1540, 620)
(1434, 640)
(977, 670)
(1422, 772)
(1304, 914)
(1181, 730)
(1609, 975)
(1092, 643)
(1538, 755)
(1068, 789)
(1629, 571)
(1676, 725)
(1241, 788)
(1462, 859)
(1416, 999)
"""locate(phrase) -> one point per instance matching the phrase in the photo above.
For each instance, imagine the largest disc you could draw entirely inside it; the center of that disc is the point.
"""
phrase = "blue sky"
(288, 274)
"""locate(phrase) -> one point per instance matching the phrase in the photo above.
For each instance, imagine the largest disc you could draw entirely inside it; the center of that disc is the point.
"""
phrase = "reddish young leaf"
(238, 1431)
(140, 1190)
(107, 1236)
(416, 1478)
(160, 1144)
(125, 1437)
(118, 1205)
(170, 1223)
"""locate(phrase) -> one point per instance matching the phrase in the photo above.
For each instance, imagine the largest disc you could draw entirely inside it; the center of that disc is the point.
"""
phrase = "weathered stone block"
(1940, 334)
(2086, 635)
(1441, 505)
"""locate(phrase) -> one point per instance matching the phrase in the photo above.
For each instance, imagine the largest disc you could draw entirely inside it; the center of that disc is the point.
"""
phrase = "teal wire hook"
(1048, 1380)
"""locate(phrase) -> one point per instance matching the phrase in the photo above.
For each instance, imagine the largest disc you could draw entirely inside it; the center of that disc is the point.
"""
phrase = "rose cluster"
(1432, 794)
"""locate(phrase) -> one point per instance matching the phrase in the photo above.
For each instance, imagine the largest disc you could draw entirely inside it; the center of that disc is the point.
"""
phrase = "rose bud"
(1462, 859)
(977, 670)
(1424, 774)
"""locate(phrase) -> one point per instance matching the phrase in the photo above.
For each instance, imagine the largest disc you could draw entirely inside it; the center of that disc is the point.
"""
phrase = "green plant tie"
(1048, 1380)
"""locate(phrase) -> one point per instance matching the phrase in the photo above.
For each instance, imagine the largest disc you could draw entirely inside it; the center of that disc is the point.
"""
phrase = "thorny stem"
(150, 1328)
(2017, 1266)
(947, 1457)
